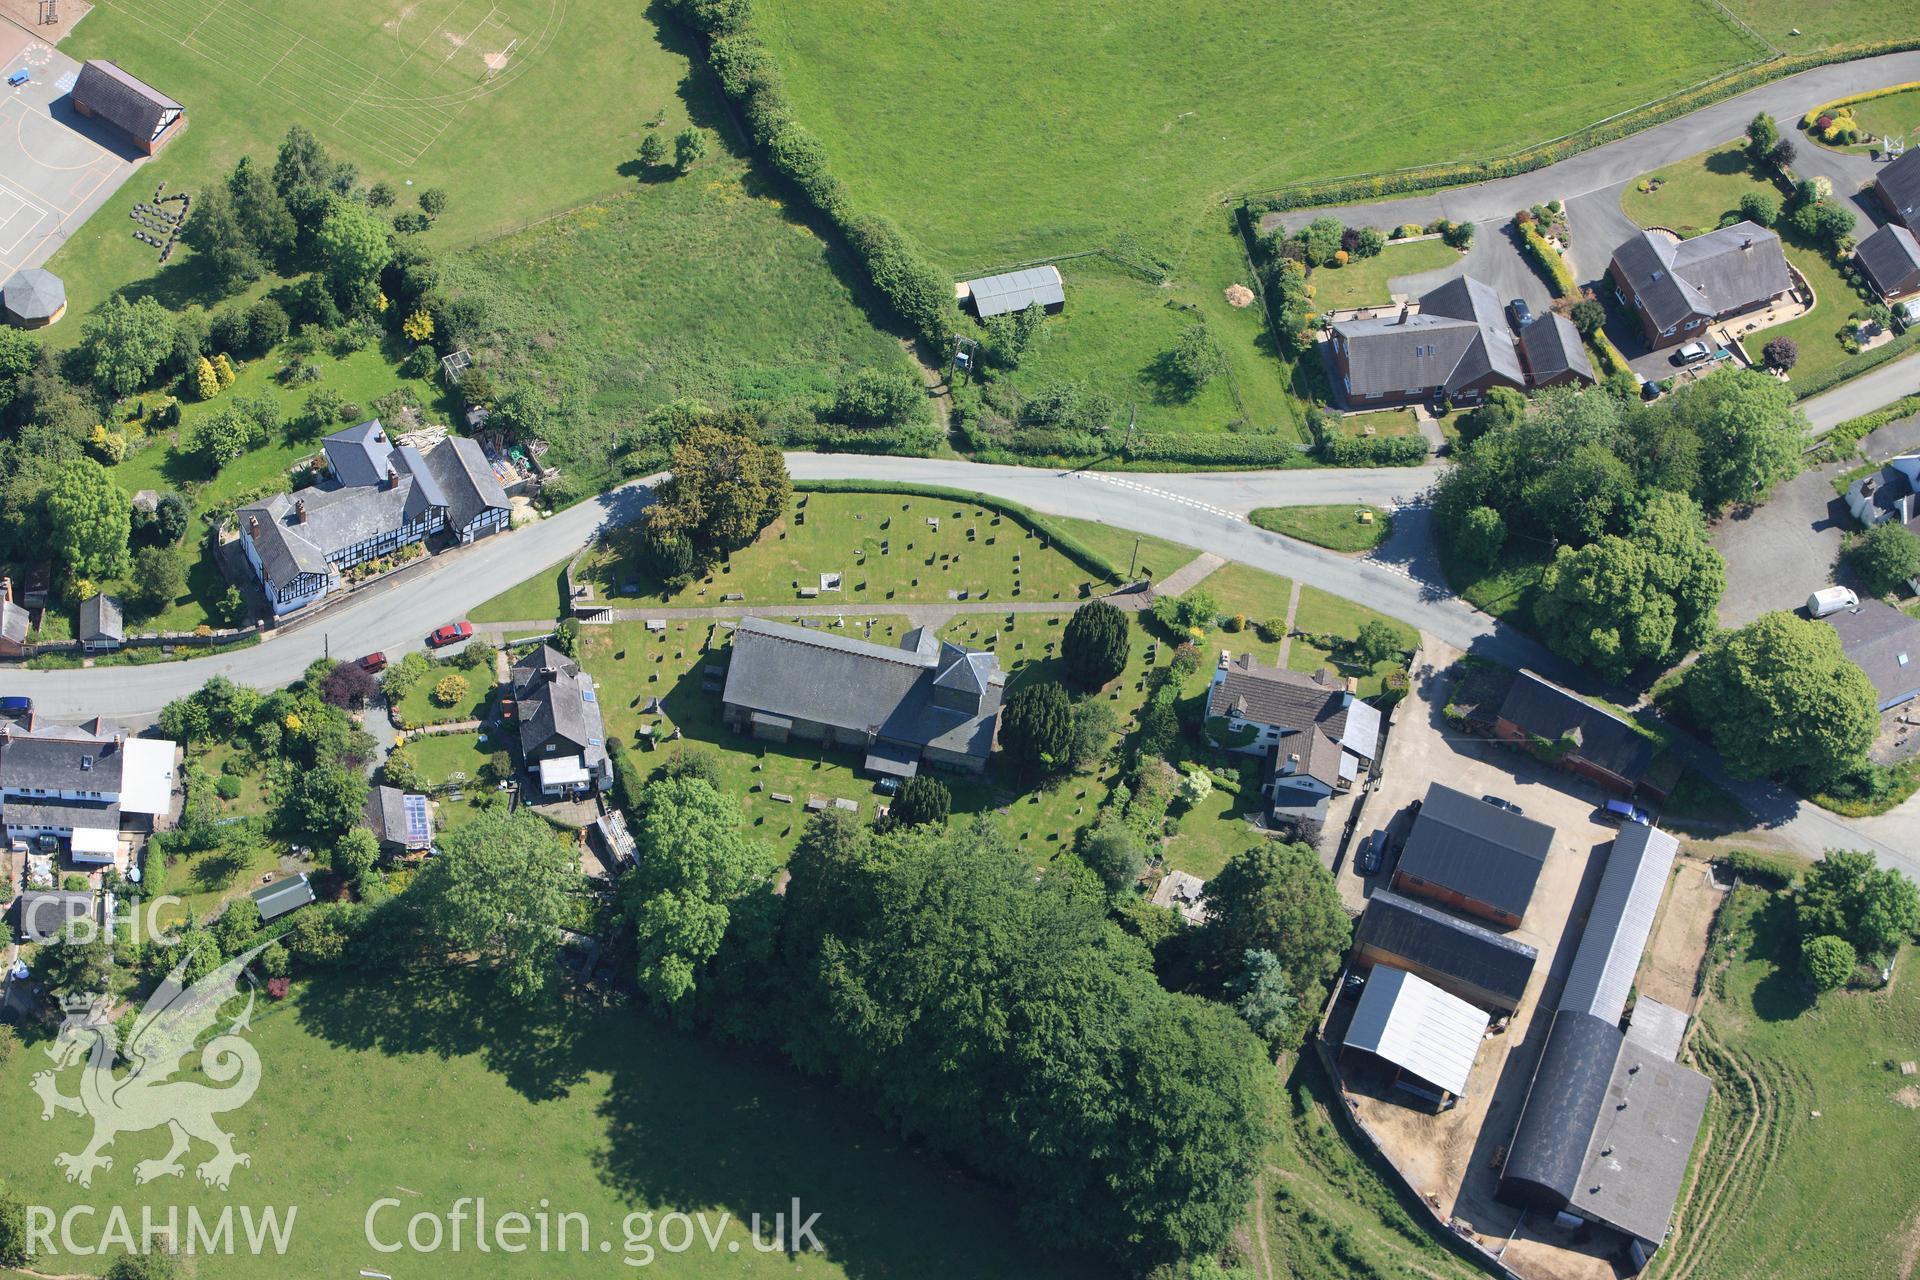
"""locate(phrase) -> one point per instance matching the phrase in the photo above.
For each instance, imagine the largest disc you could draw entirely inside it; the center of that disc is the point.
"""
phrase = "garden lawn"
(1363, 281)
(556, 1106)
(223, 760)
(842, 533)
(957, 122)
(1702, 188)
(440, 756)
(507, 149)
(1248, 592)
(537, 597)
(1213, 831)
(1834, 1100)
(1322, 613)
(1338, 527)
(1893, 116)
(418, 707)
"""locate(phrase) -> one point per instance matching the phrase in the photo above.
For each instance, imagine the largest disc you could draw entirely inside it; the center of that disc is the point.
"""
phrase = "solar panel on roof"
(416, 811)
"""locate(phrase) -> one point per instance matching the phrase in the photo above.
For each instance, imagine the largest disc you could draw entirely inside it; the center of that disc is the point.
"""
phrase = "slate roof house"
(1884, 643)
(400, 821)
(1473, 857)
(924, 701)
(1461, 958)
(148, 117)
(82, 784)
(1887, 494)
(1317, 735)
(101, 624)
(1890, 257)
(380, 497)
(1898, 186)
(1597, 744)
(562, 740)
(1456, 344)
(1555, 356)
(46, 914)
(1610, 1118)
(1680, 287)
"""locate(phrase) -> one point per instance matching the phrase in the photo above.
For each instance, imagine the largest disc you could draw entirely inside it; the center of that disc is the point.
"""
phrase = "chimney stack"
(6, 590)
(1406, 309)
(1747, 243)
(300, 510)
(393, 478)
(253, 524)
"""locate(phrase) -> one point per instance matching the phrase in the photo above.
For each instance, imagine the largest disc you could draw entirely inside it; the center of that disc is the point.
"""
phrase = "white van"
(1831, 600)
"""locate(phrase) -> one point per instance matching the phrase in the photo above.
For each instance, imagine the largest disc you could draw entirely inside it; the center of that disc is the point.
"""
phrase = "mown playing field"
(997, 133)
(419, 1089)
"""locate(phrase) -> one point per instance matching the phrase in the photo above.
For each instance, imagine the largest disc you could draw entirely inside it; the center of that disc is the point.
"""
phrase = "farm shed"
(1015, 291)
(1469, 855)
(1420, 1030)
(1460, 957)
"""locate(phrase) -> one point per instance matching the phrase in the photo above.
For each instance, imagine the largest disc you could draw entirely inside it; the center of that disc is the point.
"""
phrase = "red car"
(452, 633)
(374, 662)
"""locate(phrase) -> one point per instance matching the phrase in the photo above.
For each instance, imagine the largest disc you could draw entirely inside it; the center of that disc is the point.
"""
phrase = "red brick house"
(1679, 287)
(1580, 737)
(1890, 258)
(1898, 186)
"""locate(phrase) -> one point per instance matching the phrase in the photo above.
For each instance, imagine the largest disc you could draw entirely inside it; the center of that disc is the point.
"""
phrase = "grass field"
(1114, 336)
(422, 1089)
(399, 88)
(933, 115)
(1363, 282)
(1817, 1086)
(1798, 25)
(1696, 192)
(1337, 528)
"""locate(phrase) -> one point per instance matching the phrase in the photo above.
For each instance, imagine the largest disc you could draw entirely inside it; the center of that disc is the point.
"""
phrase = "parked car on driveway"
(1617, 812)
(1370, 854)
(1520, 313)
(374, 662)
(1831, 600)
(1690, 353)
(452, 633)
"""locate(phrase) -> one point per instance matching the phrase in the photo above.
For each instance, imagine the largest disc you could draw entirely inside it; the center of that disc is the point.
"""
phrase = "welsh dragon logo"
(145, 1097)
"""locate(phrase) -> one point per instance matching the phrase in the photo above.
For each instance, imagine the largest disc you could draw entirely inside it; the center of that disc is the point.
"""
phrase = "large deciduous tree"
(89, 518)
(1751, 434)
(1887, 557)
(1095, 644)
(725, 488)
(354, 244)
(501, 889)
(1847, 894)
(1279, 898)
(1647, 596)
(693, 864)
(124, 342)
(1781, 699)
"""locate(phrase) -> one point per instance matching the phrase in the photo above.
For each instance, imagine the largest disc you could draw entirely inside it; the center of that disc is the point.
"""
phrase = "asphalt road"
(1203, 510)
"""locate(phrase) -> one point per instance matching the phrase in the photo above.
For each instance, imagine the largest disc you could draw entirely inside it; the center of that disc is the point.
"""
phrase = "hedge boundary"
(1854, 366)
(1060, 540)
(919, 294)
(1354, 188)
(1857, 98)
(1548, 259)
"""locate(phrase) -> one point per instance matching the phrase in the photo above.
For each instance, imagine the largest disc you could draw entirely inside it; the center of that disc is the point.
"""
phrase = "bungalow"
(1678, 287)
(1455, 343)
(1578, 736)
(922, 701)
(1890, 258)
(562, 740)
(1884, 643)
(1898, 186)
(380, 496)
(1318, 737)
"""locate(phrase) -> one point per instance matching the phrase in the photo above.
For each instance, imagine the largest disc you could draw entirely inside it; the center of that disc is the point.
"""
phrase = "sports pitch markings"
(323, 85)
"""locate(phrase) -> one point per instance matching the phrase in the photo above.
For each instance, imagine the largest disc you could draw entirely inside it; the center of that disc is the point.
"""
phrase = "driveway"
(1787, 549)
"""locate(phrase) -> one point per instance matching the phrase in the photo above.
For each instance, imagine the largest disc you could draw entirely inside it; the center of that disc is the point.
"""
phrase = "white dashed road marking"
(1182, 499)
